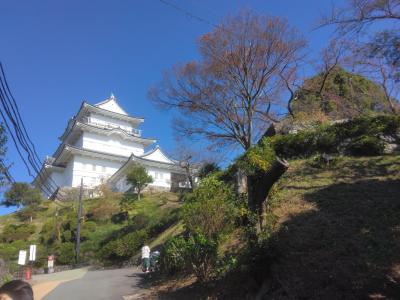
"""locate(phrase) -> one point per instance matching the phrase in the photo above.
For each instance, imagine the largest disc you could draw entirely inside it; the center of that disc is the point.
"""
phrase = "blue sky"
(58, 53)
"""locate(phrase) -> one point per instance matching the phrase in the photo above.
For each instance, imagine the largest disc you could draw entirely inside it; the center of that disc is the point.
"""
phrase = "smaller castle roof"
(157, 154)
(111, 104)
(153, 158)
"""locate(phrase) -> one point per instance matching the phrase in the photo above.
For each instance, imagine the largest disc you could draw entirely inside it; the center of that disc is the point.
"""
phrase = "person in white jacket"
(146, 258)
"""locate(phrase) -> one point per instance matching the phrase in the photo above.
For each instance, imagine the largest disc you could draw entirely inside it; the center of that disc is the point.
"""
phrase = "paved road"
(99, 285)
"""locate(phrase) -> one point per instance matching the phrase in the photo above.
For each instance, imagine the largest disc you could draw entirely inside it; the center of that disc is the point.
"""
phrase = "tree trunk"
(259, 186)
(138, 194)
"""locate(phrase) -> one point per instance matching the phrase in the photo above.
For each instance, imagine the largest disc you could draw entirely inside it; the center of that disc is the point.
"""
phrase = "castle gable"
(111, 104)
(157, 155)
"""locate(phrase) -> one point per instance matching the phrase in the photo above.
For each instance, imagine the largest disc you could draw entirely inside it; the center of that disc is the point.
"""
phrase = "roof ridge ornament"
(112, 97)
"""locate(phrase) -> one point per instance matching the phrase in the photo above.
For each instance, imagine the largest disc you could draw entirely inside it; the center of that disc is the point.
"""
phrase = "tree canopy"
(21, 194)
(231, 94)
(137, 176)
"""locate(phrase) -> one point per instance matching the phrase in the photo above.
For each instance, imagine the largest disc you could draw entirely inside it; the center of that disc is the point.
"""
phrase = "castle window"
(158, 175)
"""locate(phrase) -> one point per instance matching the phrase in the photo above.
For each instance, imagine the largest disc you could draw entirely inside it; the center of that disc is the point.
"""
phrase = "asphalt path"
(99, 285)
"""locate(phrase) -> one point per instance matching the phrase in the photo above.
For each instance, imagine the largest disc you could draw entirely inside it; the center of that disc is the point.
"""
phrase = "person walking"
(146, 258)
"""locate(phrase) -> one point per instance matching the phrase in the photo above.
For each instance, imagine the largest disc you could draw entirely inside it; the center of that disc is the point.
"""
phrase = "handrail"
(133, 131)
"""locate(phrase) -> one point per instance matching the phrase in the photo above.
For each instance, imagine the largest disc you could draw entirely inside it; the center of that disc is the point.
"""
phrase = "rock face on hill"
(345, 95)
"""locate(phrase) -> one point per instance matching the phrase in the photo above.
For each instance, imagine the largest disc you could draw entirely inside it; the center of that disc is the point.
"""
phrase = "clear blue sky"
(58, 53)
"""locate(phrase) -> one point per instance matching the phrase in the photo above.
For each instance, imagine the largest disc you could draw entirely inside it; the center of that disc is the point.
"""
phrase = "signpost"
(22, 257)
(32, 252)
(21, 262)
(50, 264)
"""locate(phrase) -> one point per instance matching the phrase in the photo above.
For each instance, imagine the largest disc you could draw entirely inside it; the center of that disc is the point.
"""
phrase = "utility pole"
(78, 225)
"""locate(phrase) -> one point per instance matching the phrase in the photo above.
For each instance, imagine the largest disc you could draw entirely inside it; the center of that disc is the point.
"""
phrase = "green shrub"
(48, 234)
(120, 217)
(14, 232)
(27, 213)
(66, 253)
(9, 251)
(172, 257)
(300, 144)
(201, 254)
(210, 209)
(123, 248)
(140, 221)
(208, 168)
(104, 210)
(365, 146)
(257, 158)
(225, 265)
(88, 250)
(360, 136)
(195, 254)
(5, 275)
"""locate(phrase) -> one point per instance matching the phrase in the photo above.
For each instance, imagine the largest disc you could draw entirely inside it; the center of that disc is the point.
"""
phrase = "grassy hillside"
(336, 236)
(108, 228)
(338, 230)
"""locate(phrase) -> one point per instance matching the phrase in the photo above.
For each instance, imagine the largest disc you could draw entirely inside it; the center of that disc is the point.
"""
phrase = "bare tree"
(381, 49)
(229, 96)
(359, 14)
(379, 70)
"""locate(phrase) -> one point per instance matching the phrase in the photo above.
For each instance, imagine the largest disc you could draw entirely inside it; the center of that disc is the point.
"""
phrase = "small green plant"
(225, 265)
(195, 253)
(172, 257)
(201, 254)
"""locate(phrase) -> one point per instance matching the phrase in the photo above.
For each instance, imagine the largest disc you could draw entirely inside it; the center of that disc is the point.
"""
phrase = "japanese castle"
(98, 146)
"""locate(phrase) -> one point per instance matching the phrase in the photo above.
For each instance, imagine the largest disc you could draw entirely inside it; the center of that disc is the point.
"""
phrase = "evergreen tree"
(137, 176)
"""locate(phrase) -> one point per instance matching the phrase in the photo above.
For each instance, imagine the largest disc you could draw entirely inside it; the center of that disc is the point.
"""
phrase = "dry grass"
(338, 235)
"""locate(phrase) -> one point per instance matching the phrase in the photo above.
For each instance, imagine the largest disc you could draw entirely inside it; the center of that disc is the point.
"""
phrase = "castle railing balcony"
(132, 131)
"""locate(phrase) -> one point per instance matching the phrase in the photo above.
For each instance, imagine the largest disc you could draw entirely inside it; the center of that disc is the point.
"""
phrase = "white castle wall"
(59, 178)
(161, 178)
(93, 171)
(112, 144)
(103, 120)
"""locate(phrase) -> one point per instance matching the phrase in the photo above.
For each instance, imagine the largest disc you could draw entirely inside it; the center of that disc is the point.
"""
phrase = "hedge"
(358, 137)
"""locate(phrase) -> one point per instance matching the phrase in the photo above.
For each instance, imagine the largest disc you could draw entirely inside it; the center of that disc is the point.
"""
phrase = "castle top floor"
(107, 114)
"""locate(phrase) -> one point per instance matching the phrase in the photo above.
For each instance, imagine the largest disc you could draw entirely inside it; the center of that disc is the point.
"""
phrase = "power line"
(189, 14)
(23, 143)
(17, 139)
